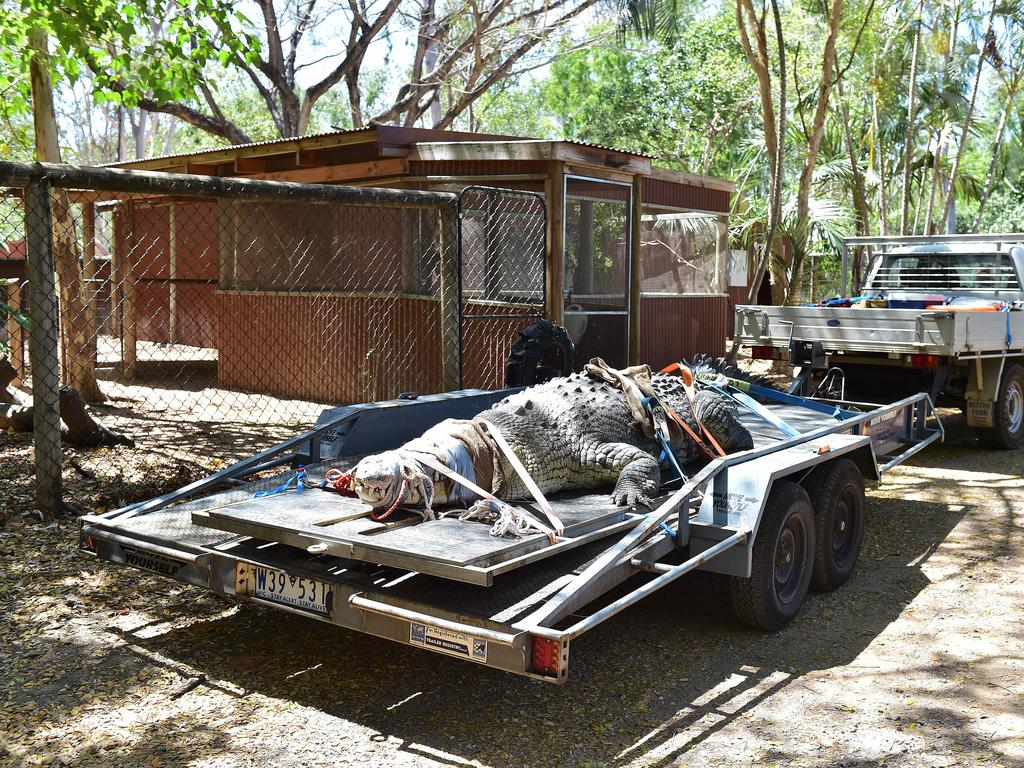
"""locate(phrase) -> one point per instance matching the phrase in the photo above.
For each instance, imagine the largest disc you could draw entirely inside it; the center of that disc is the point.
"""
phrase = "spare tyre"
(543, 351)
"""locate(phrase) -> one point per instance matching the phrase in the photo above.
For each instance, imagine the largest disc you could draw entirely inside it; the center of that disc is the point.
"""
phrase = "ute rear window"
(963, 271)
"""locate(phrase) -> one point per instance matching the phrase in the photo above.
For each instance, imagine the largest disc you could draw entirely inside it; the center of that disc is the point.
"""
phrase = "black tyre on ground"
(836, 491)
(1008, 413)
(783, 558)
(542, 352)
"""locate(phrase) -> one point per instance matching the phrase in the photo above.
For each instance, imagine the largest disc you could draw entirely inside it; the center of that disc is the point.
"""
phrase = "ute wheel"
(781, 564)
(836, 490)
(1008, 413)
(542, 352)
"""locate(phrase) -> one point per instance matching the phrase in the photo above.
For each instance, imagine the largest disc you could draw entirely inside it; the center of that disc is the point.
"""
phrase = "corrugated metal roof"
(199, 154)
(229, 147)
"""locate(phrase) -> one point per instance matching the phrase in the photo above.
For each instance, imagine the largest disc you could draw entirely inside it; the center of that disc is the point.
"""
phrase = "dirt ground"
(918, 661)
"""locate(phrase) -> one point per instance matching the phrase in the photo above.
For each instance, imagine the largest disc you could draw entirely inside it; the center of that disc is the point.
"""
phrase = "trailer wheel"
(836, 490)
(782, 560)
(1008, 413)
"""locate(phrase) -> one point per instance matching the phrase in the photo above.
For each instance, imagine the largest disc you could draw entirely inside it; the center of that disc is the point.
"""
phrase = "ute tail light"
(546, 656)
(924, 361)
(762, 353)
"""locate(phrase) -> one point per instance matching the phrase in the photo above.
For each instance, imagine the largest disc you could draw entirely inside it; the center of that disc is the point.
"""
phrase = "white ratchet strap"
(456, 477)
(517, 465)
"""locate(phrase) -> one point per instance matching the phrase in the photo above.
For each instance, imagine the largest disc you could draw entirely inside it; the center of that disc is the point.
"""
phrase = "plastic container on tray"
(915, 300)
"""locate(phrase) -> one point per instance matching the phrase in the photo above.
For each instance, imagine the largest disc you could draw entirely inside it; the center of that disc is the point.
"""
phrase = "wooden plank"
(635, 276)
(292, 516)
(690, 179)
(266, 149)
(343, 172)
(601, 158)
(554, 194)
(484, 150)
(244, 165)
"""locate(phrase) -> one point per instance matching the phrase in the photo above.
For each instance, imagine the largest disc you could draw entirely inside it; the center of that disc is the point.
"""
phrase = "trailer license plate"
(285, 589)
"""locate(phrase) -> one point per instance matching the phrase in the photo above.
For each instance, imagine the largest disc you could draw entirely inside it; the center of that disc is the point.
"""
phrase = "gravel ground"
(918, 661)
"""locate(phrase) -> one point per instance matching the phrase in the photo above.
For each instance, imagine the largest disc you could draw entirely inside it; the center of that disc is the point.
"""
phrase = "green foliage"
(113, 41)
(687, 103)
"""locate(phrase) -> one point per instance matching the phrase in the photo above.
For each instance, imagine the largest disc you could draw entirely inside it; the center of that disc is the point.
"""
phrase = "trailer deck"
(449, 586)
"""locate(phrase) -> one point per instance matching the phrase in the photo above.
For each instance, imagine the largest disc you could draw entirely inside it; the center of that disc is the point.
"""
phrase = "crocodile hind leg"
(639, 474)
(718, 414)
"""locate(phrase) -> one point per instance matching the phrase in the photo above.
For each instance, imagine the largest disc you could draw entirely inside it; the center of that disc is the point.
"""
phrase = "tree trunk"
(908, 148)
(996, 145)
(949, 209)
(77, 318)
(858, 190)
(803, 195)
(883, 181)
(940, 150)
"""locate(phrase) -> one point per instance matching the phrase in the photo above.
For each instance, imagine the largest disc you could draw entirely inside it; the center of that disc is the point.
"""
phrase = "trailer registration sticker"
(453, 643)
(283, 588)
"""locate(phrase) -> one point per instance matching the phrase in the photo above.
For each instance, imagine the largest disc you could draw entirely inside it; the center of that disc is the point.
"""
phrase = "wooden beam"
(596, 157)
(691, 179)
(305, 158)
(281, 147)
(245, 165)
(343, 172)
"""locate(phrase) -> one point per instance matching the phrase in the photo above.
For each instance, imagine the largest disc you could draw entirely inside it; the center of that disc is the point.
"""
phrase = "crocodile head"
(378, 481)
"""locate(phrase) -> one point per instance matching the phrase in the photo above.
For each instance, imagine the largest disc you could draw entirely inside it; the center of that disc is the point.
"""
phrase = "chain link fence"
(503, 245)
(202, 319)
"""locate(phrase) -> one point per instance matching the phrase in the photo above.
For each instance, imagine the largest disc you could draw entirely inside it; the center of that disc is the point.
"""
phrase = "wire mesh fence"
(204, 319)
(502, 249)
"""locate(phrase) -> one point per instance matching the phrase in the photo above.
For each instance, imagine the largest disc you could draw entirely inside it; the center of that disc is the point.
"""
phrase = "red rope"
(398, 502)
(339, 481)
(342, 483)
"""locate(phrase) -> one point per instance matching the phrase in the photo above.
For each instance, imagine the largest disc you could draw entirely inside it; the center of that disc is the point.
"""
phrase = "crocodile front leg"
(639, 476)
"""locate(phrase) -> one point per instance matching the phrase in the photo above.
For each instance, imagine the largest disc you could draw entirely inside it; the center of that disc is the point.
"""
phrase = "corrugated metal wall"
(674, 328)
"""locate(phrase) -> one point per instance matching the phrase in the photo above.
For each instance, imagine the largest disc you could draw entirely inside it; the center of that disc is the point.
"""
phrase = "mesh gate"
(502, 276)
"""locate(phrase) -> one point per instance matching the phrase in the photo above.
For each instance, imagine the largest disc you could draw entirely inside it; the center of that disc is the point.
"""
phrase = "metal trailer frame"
(716, 514)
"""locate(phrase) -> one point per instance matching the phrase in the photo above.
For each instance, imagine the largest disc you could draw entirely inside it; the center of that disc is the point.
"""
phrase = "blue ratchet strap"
(1009, 333)
(665, 527)
(660, 422)
(757, 409)
(784, 397)
(299, 478)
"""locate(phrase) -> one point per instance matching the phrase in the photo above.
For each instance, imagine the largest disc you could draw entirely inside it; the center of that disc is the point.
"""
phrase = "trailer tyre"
(542, 351)
(782, 561)
(1008, 413)
(836, 490)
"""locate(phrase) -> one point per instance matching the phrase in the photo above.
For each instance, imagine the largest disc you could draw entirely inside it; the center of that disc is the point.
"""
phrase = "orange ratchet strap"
(687, 377)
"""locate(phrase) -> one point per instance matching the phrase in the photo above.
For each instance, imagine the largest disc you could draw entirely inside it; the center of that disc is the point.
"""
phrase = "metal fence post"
(42, 346)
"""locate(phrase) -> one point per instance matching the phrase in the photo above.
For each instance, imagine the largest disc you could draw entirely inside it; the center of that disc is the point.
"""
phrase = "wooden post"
(722, 254)
(172, 274)
(451, 330)
(129, 337)
(89, 289)
(227, 225)
(43, 344)
(554, 191)
(635, 277)
(16, 334)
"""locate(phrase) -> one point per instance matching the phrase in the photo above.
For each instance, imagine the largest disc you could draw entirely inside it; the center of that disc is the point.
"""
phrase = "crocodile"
(574, 432)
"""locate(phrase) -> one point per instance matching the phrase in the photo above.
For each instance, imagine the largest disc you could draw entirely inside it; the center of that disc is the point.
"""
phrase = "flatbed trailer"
(963, 354)
(513, 604)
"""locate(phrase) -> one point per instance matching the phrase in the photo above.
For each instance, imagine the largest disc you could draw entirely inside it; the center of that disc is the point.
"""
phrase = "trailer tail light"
(547, 656)
(924, 361)
(762, 353)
